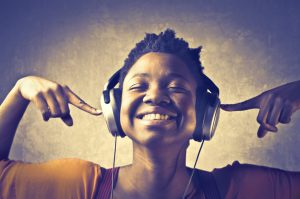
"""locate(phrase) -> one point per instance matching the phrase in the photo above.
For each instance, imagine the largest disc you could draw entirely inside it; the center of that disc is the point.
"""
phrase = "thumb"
(241, 106)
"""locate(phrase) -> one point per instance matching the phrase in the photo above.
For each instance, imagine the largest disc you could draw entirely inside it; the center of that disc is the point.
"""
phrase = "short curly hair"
(165, 42)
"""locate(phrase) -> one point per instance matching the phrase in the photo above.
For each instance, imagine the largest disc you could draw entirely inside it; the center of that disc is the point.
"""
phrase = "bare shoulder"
(63, 178)
(70, 168)
(260, 181)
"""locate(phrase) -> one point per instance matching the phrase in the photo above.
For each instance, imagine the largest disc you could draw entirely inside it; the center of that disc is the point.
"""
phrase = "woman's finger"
(40, 102)
(52, 103)
(286, 113)
(274, 114)
(261, 131)
(264, 128)
(264, 111)
(62, 100)
(67, 119)
(265, 106)
(245, 105)
(79, 103)
(262, 117)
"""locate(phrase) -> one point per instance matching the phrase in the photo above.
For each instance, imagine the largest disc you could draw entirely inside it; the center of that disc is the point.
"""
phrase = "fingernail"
(273, 128)
(98, 111)
(46, 117)
(70, 122)
(67, 120)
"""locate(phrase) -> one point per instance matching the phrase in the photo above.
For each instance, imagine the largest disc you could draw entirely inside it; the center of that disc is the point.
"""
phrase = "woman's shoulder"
(60, 177)
(256, 180)
(246, 172)
(67, 168)
(68, 164)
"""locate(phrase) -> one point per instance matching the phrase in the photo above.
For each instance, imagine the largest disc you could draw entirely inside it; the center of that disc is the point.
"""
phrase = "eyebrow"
(176, 75)
(140, 75)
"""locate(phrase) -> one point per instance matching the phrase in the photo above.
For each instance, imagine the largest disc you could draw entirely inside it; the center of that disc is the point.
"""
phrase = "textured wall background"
(249, 46)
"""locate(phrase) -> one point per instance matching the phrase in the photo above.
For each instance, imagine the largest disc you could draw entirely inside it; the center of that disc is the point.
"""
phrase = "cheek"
(127, 112)
(124, 113)
(191, 119)
(191, 114)
(188, 114)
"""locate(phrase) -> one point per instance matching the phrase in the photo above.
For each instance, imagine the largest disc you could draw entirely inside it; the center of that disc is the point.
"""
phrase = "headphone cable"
(113, 170)
(194, 169)
(187, 186)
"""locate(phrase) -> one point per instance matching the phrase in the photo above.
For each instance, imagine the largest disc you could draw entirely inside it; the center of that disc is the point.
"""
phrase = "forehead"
(160, 65)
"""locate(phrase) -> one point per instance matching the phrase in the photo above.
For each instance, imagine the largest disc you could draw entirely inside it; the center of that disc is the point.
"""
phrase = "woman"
(161, 85)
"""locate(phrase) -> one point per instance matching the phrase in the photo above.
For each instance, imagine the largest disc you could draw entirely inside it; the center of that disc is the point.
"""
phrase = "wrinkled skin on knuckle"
(56, 88)
(36, 96)
(65, 87)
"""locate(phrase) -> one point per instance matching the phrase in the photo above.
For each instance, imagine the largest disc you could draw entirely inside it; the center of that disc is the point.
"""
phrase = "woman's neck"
(155, 173)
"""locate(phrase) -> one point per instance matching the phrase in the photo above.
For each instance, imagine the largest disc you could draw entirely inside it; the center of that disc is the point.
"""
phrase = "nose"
(156, 96)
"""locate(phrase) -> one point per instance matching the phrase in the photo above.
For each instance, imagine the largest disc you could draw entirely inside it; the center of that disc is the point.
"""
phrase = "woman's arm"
(49, 97)
(11, 112)
(275, 106)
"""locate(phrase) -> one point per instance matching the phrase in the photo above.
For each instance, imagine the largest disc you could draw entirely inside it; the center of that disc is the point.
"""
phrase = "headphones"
(207, 108)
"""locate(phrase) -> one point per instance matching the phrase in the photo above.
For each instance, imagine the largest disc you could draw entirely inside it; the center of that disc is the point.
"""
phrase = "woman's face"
(158, 100)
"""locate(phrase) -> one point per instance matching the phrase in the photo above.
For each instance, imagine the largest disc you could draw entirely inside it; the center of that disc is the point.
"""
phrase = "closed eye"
(177, 89)
(138, 87)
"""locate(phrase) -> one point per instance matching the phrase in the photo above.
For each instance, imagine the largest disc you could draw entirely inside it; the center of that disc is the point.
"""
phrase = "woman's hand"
(52, 99)
(275, 106)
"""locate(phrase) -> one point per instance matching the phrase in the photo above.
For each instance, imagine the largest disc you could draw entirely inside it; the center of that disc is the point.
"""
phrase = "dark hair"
(165, 42)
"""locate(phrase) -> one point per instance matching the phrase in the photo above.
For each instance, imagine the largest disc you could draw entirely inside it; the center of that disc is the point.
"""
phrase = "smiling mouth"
(156, 116)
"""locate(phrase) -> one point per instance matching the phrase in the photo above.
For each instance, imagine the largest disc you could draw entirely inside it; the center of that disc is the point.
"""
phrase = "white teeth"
(157, 116)
(153, 116)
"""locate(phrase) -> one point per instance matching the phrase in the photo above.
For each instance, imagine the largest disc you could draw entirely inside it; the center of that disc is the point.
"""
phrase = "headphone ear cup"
(200, 107)
(207, 115)
(111, 112)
